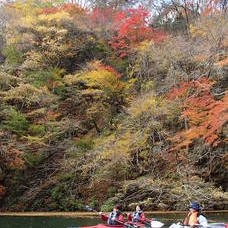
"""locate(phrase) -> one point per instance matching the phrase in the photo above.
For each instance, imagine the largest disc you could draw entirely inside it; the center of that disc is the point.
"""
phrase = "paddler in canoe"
(138, 219)
(194, 217)
(115, 217)
(137, 216)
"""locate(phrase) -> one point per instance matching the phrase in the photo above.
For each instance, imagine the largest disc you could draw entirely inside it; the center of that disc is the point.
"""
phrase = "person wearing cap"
(137, 216)
(194, 216)
(115, 217)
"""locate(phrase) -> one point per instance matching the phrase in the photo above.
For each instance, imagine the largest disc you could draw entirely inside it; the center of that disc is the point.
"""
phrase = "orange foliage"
(110, 69)
(205, 115)
(52, 115)
(13, 159)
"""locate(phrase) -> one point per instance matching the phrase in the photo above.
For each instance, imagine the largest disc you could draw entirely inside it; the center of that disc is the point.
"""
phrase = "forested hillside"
(105, 102)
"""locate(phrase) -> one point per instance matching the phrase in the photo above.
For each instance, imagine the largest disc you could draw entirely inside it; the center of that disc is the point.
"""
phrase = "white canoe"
(209, 225)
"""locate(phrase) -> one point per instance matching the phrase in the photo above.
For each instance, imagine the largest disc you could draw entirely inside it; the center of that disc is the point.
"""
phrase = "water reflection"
(67, 222)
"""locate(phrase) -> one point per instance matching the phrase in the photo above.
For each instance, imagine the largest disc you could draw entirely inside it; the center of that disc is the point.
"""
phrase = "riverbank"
(90, 214)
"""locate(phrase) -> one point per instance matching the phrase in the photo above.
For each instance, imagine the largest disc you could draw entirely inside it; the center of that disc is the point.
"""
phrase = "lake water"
(67, 222)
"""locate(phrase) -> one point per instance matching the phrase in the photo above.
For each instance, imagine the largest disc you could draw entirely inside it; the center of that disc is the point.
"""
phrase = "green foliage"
(33, 159)
(13, 56)
(38, 78)
(57, 192)
(15, 122)
(50, 78)
(64, 202)
(64, 177)
(111, 191)
(84, 144)
(108, 205)
(93, 202)
(36, 130)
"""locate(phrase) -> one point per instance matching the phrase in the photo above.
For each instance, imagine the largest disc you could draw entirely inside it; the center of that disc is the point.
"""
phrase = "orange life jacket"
(193, 219)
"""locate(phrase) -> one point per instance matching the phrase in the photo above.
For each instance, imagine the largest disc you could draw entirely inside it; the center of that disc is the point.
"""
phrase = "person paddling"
(137, 216)
(115, 217)
(194, 216)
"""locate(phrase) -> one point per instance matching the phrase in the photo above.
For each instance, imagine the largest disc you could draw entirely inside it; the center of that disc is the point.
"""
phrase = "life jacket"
(136, 217)
(197, 218)
(193, 219)
(111, 216)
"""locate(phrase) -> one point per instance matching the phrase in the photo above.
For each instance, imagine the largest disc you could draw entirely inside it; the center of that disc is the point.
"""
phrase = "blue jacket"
(136, 217)
(110, 217)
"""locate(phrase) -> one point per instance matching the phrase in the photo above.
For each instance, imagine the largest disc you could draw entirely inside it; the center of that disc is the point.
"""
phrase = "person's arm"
(186, 220)
(129, 218)
(142, 217)
(121, 218)
(104, 217)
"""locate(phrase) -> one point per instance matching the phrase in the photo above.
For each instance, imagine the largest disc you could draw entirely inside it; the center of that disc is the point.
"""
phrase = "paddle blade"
(156, 224)
(174, 225)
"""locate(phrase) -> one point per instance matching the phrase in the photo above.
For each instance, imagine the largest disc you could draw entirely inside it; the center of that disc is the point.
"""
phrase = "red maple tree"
(205, 116)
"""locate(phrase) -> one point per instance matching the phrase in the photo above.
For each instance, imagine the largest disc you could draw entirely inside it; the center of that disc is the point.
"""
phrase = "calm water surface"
(67, 222)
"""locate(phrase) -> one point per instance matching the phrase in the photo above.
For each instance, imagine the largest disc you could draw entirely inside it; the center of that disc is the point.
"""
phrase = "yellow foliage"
(102, 79)
(196, 31)
(117, 148)
(146, 103)
(56, 17)
(28, 21)
(27, 12)
(25, 93)
(33, 60)
(71, 79)
(99, 78)
(142, 47)
(27, 7)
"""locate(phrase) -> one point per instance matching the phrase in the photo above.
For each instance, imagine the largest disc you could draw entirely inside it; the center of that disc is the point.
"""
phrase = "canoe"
(154, 224)
(210, 225)
(103, 226)
(130, 225)
(146, 223)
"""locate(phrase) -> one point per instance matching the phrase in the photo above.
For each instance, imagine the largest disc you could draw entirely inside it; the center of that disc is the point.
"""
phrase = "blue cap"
(195, 206)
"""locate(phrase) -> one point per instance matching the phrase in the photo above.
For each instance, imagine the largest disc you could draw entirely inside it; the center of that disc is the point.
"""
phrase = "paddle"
(209, 220)
(153, 223)
(120, 222)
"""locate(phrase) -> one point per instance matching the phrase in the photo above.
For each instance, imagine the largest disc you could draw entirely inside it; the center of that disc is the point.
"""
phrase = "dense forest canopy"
(113, 101)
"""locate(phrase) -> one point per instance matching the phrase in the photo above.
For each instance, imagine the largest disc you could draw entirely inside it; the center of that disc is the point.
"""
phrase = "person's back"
(202, 220)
